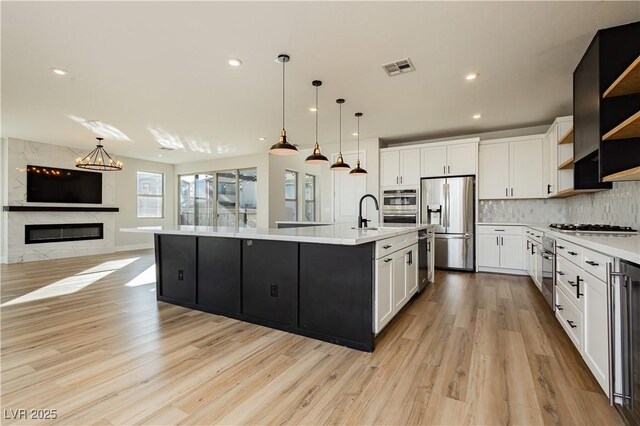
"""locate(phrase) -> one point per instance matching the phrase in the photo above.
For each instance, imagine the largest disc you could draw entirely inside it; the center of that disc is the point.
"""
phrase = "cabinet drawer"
(500, 230)
(569, 251)
(595, 264)
(567, 278)
(570, 318)
(534, 235)
(390, 245)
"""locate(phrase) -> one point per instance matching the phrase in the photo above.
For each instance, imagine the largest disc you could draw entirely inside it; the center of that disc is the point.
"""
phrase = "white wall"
(258, 161)
(126, 200)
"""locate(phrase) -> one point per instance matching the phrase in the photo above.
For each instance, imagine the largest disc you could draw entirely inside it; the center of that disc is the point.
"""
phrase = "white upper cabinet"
(555, 180)
(493, 176)
(400, 167)
(511, 168)
(452, 159)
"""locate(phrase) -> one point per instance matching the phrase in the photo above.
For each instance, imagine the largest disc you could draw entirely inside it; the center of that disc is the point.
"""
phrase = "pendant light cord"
(283, 97)
(340, 133)
(358, 138)
(316, 115)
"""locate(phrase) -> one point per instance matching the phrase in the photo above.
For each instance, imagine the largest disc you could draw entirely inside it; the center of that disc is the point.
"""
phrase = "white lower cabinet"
(396, 277)
(500, 247)
(511, 252)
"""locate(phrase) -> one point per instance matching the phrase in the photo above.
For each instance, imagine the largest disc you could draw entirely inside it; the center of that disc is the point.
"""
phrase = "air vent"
(166, 148)
(399, 67)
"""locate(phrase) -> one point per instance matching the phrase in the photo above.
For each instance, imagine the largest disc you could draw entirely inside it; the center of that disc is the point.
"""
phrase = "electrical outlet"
(274, 290)
(180, 275)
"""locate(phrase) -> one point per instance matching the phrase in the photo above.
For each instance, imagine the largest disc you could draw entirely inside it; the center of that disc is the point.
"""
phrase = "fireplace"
(53, 233)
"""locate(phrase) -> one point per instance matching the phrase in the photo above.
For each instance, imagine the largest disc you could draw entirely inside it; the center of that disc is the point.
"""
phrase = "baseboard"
(4, 259)
(135, 247)
(502, 271)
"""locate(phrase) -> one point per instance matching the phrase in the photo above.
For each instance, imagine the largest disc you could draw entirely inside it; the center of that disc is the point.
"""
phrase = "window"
(291, 195)
(309, 198)
(224, 198)
(150, 194)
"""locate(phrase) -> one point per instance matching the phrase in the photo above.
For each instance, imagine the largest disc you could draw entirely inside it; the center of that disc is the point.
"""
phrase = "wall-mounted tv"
(52, 185)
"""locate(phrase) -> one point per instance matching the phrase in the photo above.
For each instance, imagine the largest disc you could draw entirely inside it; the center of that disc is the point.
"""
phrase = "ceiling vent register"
(401, 66)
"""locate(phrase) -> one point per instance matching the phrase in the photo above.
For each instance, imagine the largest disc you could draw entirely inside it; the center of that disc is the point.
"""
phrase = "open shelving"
(567, 137)
(628, 82)
(570, 192)
(629, 128)
(631, 174)
(566, 165)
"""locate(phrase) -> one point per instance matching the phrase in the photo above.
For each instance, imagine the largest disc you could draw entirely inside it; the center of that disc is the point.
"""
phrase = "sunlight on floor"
(148, 276)
(73, 283)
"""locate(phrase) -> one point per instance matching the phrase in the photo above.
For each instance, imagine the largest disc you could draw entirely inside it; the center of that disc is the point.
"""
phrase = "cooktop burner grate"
(593, 228)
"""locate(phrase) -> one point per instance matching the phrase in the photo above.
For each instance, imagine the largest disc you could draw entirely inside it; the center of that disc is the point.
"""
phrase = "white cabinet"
(396, 276)
(555, 180)
(511, 168)
(595, 341)
(400, 167)
(453, 159)
(500, 247)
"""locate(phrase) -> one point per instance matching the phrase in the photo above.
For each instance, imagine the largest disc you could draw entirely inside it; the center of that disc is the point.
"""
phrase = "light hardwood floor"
(86, 337)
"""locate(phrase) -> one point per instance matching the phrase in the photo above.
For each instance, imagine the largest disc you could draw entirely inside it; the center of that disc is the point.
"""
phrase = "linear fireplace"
(53, 233)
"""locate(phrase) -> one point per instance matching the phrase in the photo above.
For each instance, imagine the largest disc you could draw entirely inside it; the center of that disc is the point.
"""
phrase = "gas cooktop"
(593, 229)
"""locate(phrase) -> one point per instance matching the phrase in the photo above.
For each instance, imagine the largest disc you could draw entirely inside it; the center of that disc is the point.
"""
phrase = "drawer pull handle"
(559, 307)
(386, 246)
(572, 283)
(560, 273)
(572, 253)
(388, 260)
(560, 247)
(591, 262)
(571, 324)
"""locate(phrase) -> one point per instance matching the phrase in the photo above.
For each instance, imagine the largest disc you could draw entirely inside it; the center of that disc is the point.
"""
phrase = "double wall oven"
(400, 206)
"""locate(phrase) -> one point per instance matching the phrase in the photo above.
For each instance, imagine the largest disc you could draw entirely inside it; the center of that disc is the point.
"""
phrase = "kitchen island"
(333, 283)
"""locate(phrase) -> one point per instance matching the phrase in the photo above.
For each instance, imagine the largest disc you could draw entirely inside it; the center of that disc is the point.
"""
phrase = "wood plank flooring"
(86, 337)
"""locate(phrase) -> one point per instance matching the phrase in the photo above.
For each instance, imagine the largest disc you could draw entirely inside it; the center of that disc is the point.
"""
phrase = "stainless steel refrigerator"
(449, 204)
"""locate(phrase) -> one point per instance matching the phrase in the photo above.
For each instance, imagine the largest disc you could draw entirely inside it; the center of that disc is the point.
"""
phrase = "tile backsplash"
(618, 206)
(522, 211)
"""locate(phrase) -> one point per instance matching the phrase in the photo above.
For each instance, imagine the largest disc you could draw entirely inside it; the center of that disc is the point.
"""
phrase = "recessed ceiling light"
(160, 155)
(471, 76)
(59, 71)
(261, 139)
(313, 109)
(476, 116)
(354, 134)
(234, 62)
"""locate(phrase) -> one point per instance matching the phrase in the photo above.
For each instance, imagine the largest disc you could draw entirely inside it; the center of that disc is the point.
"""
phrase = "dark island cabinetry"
(321, 291)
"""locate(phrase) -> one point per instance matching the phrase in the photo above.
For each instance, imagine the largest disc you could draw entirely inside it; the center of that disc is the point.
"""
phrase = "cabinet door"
(270, 280)
(398, 283)
(384, 292)
(525, 169)
(411, 270)
(488, 250)
(493, 173)
(461, 159)
(177, 279)
(595, 329)
(535, 265)
(550, 169)
(219, 273)
(390, 168)
(433, 161)
(511, 251)
(410, 167)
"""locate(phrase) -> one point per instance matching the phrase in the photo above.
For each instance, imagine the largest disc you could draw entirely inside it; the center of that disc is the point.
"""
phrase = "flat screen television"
(52, 185)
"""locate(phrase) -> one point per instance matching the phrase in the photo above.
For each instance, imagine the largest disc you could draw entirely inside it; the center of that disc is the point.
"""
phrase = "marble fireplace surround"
(17, 154)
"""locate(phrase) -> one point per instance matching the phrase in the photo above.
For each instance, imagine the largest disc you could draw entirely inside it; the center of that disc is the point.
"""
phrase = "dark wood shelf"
(58, 209)
(628, 83)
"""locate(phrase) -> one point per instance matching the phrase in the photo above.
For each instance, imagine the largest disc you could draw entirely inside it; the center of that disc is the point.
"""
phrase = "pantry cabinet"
(511, 168)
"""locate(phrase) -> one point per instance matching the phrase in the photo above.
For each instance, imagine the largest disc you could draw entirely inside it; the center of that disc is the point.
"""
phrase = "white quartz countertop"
(625, 247)
(328, 234)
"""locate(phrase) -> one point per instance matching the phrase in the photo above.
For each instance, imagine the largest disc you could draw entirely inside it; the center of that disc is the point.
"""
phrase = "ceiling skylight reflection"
(101, 129)
(166, 139)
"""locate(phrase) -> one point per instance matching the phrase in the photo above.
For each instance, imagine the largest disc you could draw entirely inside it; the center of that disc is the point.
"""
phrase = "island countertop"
(339, 234)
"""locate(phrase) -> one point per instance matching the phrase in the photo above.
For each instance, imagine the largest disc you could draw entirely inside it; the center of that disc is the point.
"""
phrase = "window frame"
(312, 201)
(296, 200)
(161, 196)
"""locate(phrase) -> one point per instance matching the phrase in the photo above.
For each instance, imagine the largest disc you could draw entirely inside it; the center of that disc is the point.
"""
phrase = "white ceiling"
(161, 67)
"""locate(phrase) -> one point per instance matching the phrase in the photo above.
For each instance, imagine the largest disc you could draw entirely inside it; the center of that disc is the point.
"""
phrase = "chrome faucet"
(362, 223)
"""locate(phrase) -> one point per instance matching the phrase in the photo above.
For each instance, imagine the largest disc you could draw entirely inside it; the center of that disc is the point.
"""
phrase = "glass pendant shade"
(340, 165)
(283, 147)
(99, 159)
(316, 157)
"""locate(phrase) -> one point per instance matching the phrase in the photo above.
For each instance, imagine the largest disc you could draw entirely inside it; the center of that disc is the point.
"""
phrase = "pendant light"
(316, 157)
(340, 165)
(283, 147)
(358, 170)
(99, 159)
